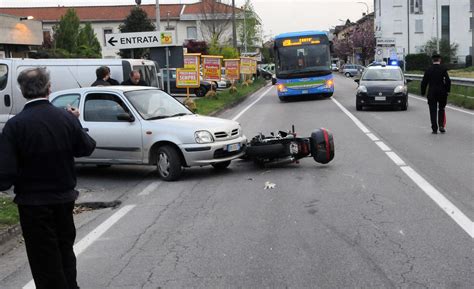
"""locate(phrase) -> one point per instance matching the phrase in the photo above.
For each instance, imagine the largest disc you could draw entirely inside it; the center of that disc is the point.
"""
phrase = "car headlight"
(400, 89)
(362, 89)
(203, 136)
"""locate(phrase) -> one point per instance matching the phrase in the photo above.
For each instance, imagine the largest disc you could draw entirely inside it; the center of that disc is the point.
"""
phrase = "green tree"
(66, 32)
(87, 43)
(249, 27)
(448, 51)
(136, 21)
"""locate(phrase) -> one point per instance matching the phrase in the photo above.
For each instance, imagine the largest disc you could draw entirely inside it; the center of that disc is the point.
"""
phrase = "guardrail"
(454, 80)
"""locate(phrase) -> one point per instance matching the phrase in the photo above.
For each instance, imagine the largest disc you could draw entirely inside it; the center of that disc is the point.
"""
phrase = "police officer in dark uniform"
(437, 80)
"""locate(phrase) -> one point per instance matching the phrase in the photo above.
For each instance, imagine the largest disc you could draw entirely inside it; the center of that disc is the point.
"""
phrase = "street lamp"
(27, 18)
(367, 6)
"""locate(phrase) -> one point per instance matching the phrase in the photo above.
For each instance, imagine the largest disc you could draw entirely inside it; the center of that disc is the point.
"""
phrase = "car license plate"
(233, 147)
(380, 98)
(304, 91)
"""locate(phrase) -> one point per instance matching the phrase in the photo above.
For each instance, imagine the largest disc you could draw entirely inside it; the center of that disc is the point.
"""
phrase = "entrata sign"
(140, 39)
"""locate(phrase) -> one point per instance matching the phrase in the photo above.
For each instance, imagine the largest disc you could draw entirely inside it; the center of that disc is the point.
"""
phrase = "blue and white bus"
(303, 64)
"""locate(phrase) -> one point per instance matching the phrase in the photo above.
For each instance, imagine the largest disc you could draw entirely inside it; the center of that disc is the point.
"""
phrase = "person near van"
(437, 80)
(103, 74)
(37, 151)
(110, 79)
(135, 79)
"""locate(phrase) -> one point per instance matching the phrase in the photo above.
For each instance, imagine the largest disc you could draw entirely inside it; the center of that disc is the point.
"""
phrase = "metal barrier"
(454, 80)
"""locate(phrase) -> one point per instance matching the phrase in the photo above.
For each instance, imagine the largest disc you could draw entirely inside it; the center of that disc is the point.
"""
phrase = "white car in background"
(146, 126)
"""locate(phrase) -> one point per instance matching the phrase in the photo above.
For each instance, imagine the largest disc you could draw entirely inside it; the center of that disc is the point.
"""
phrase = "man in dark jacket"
(135, 79)
(37, 150)
(103, 74)
(437, 80)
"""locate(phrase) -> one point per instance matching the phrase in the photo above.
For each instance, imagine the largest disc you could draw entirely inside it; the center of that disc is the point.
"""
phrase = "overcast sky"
(278, 16)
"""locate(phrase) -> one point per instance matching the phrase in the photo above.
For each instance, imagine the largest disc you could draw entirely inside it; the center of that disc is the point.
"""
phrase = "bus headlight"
(282, 88)
(400, 89)
(329, 83)
(361, 89)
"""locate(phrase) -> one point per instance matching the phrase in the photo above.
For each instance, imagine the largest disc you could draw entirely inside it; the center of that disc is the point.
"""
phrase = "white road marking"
(457, 215)
(150, 188)
(447, 106)
(383, 146)
(250, 105)
(450, 209)
(94, 235)
(351, 116)
(372, 137)
(396, 159)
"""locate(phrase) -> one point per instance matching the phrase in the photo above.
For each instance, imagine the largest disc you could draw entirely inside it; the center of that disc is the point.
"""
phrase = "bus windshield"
(303, 60)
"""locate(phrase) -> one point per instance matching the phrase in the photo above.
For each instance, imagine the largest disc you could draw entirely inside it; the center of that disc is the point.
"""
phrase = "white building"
(404, 26)
(191, 21)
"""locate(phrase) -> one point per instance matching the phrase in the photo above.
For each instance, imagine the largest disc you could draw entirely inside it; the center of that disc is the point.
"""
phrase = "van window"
(148, 74)
(3, 76)
(103, 107)
(66, 100)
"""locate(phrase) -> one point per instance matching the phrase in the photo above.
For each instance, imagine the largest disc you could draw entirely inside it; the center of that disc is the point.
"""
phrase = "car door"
(118, 141)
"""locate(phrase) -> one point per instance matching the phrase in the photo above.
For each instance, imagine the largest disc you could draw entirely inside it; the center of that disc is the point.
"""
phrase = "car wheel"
(215, 85)
(103, 166)
(347, 74)
(274, 81)
(358, 106)
(200, 91)
(267, 77)
(404, 105)
(221, 165)
(168, 163)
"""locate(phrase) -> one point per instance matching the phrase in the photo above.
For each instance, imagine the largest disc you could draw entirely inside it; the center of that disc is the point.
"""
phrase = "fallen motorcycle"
(287, 147)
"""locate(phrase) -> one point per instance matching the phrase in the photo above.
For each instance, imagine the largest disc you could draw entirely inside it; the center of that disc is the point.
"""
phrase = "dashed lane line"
(252, 104)
(449, 208)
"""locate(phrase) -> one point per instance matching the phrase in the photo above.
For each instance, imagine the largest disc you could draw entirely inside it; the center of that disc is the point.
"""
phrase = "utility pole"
(437, 27)
(234, 29)
(157, 12)
(472, 30)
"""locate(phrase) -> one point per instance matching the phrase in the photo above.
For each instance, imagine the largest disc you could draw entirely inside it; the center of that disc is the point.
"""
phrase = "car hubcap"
(164, 164)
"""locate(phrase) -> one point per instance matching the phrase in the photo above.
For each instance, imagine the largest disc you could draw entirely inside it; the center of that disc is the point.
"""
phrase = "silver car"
(144, 125)
(350, 70)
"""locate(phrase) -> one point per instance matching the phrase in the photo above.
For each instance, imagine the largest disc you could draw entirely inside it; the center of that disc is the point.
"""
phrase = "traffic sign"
(140, 39)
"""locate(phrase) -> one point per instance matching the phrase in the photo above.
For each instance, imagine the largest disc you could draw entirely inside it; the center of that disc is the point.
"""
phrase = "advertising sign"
(191, 61)
(232, 69)
(246, 65)
(211, 67)
(187, 78)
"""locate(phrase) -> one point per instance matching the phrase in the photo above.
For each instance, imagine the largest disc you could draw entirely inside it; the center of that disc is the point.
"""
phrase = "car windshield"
(382, 74)
(155, 104)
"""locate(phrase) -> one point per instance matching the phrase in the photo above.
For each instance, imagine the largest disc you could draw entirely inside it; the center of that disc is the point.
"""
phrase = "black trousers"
(49, 234)
(437, 113)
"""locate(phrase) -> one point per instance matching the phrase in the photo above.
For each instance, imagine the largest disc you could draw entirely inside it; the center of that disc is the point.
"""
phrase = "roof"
(300, 33)
(115, 13)
(116, 88)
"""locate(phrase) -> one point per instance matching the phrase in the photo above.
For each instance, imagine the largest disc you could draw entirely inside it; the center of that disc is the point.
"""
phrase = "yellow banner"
(232, 69)
(187, 78)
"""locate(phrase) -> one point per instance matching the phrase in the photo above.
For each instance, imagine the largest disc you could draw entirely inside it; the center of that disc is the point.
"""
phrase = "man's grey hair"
(34, 82)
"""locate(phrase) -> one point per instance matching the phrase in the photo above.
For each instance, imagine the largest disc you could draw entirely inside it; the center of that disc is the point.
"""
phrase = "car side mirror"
(125, 117)
(357, 80)
(408, 80)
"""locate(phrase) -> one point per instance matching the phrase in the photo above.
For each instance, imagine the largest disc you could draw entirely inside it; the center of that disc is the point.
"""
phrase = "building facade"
(196, 21)
(404, 26)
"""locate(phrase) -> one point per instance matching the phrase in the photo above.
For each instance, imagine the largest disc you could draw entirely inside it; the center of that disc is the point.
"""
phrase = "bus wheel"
(328, 95)
(282, 98)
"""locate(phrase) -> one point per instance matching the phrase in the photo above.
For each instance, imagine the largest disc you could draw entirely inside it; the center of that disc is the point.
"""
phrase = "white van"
(65, 74)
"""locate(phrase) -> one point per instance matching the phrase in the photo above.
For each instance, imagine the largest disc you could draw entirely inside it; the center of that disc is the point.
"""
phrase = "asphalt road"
(392, 210)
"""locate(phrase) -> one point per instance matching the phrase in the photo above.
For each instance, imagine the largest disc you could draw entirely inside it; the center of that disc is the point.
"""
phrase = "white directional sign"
(140, 39)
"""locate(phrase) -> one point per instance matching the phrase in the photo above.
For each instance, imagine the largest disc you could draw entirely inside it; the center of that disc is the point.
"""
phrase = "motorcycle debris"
(269, 186)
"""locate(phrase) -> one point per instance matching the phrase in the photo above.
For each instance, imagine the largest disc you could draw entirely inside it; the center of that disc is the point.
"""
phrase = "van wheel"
(168, 163)
(200, 92)
(221, 165)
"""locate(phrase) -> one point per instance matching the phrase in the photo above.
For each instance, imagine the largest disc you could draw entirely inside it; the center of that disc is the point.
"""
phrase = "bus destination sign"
(300, 41)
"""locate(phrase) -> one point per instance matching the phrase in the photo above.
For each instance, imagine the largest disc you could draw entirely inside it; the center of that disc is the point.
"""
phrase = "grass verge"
(8, 212)
(462, 73)
(462, 96)
(225, 99)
